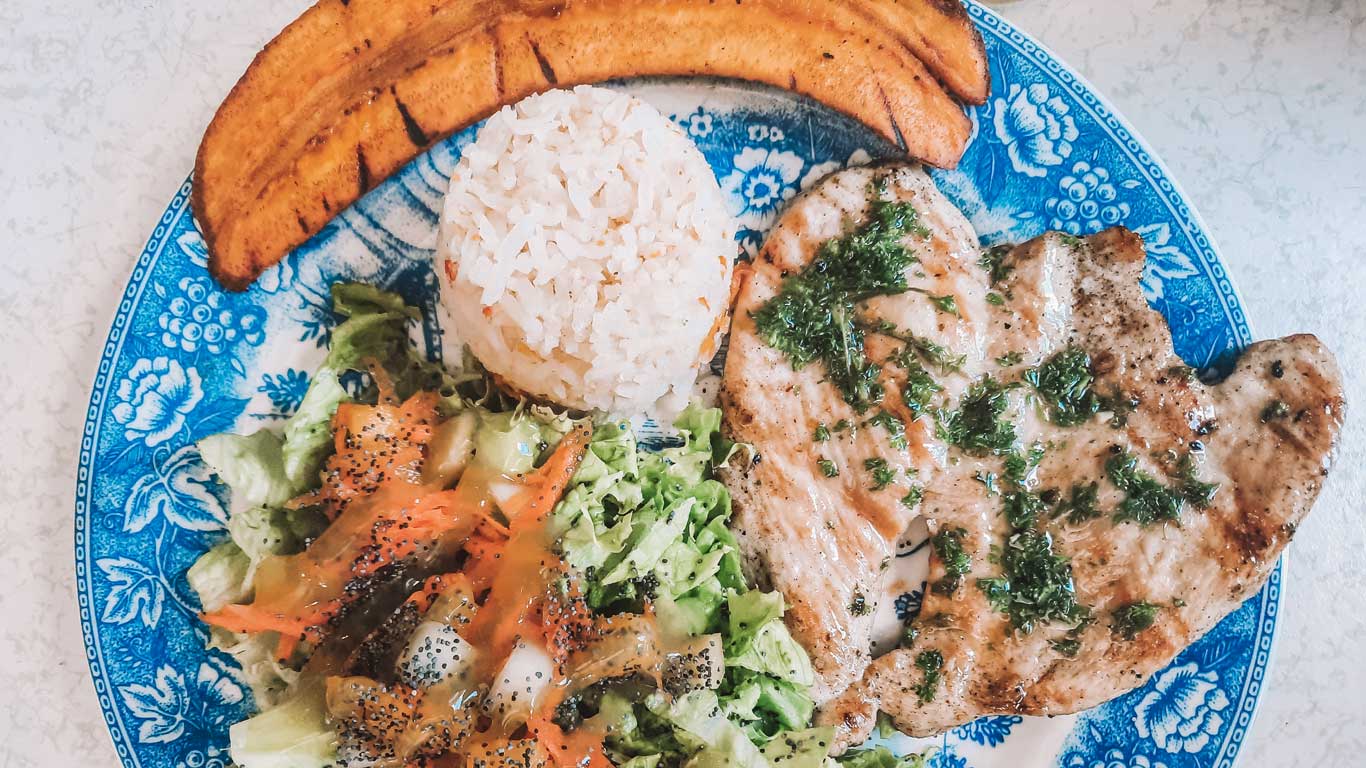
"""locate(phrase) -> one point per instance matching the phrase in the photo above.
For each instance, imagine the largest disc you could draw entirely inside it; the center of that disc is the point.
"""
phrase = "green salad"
(366, 586)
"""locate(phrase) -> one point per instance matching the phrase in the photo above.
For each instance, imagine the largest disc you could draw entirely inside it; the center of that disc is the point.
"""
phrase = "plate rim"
(1155, 172)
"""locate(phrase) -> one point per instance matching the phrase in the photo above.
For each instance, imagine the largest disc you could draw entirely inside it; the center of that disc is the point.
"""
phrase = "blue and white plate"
(184, 360)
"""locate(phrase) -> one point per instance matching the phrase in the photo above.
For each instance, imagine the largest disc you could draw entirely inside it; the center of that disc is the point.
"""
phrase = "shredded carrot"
(376, 445)
(431, 589)
(547, 484)
(519, 581)
(386, 392)
(309, 591)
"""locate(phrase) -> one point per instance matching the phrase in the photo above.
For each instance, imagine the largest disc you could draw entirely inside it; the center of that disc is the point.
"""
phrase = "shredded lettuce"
(308, 433)
(220, 575)
(294, 734)
(651, 527)
(252, 465)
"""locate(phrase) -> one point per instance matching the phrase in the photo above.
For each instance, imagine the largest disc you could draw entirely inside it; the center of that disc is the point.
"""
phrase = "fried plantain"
(351, 91)
(942, 36)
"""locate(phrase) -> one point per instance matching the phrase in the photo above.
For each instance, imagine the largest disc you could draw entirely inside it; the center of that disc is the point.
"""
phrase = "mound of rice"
(586, 252)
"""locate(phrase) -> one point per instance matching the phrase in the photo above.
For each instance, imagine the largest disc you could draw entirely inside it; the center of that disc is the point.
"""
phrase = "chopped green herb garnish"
(1067, 646)
(1069, 240)
(993, 261)
(1035, 585)
(1081, 506)
(1022, 509)
(977, 426)
(1146, 500)
(1129, 620)
(948, 546)
(1178, 602)
(821, 434)
(883, 475)
(1020, 466)
(929, 662)
(935, 354)
(995, 299)
(859, 605)
(909, 633)
(946, 303)
(1195, 491)
(1276, 409)
(841, 425)
(919, 389)
(1009, 359)
(913, 497)
(813, 317)
(896, 430)
(828, 468)
(1064, 381)
(1120, 405)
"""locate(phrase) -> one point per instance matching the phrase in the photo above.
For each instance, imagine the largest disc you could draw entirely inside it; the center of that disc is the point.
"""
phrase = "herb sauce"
(1146, 500)
(978, 426)
(882, 474)
(1081, 505)
(1035, 585)
(948, 546)
(1129, 620)
(930, 662)
(1064, 382)
(813, 316)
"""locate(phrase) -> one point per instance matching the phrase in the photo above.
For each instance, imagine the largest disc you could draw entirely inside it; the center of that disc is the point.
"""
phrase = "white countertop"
(1258, 107)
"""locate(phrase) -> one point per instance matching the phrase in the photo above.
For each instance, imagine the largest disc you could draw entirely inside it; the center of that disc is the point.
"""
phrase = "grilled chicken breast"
(824, 541)
(1095, 507)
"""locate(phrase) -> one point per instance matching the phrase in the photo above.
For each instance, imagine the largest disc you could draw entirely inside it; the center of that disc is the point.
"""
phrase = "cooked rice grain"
(591, 252)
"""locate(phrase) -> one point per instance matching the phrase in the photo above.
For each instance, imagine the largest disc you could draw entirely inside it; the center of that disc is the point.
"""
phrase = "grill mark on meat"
(1061, 294)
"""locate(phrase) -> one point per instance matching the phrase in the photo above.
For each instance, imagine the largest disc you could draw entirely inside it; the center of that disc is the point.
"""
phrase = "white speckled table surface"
(1258, 107)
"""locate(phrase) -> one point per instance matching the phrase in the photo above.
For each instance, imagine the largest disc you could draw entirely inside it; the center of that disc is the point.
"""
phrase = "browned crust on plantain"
(351, 91)
(940, 34)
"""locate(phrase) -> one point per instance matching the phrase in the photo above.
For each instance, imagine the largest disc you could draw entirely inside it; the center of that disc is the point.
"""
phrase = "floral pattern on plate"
(185, 359)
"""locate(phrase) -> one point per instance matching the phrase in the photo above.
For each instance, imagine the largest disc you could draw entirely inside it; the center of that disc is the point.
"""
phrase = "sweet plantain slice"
(351, 91)
(941, 35)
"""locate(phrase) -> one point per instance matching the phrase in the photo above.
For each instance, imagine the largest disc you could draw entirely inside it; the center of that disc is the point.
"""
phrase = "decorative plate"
(185, 359)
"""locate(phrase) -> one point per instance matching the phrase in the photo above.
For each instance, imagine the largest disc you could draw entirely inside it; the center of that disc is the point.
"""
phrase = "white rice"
(591, 250)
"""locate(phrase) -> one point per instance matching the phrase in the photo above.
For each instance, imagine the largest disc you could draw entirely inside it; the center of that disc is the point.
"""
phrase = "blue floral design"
(1183, 710)
(180, 490)
(1035, 127)
(154, 398)
(192, 244)
(988, 731)
(1089, 201)
(136, 592)
(1165, 263)
(285, 390)
(198, 318)
(762, 180)
(144, 513)
(1113, 758)
(908, 604)
(166, 707)
(698, 124)
(945, 757)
